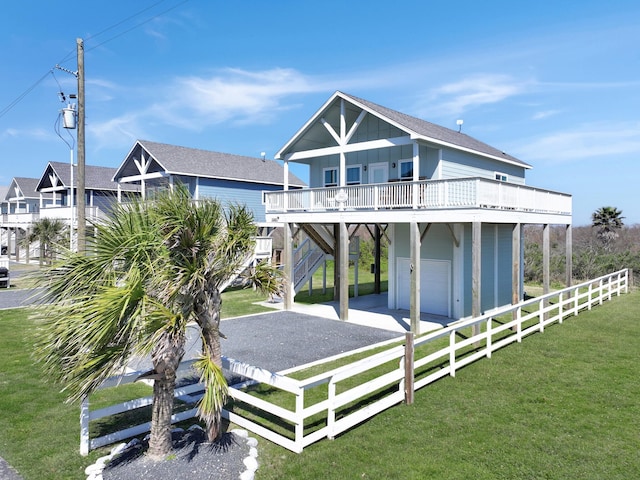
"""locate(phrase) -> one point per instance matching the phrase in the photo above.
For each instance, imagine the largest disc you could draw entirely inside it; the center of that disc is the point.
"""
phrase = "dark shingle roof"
(95, 178)
(27, 187)
(429, 130)
(194, 162)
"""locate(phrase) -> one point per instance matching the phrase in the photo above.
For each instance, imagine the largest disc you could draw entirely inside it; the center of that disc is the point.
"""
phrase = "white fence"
(429, 194)
(357, 391)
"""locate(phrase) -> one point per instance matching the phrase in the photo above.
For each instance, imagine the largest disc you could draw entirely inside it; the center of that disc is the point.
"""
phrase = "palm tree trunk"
(160, 443)
(209, 321)
(166, 358)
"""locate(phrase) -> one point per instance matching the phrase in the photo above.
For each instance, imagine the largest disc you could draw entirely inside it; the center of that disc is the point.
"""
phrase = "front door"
(379, 172)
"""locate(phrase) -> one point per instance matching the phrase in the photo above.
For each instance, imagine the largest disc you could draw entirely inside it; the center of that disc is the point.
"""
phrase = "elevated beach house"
(451, 207)
(22, 204)
(228, 178)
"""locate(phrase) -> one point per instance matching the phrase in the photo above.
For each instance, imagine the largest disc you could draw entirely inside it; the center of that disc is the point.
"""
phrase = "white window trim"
(359, 167)
(324, 177)
(501, 177)
(400, 162)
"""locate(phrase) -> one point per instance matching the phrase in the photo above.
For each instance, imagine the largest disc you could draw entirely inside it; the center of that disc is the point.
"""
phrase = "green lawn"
(563, 404)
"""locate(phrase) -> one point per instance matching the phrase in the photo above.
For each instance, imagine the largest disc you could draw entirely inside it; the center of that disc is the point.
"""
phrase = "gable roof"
(95, 177)
(27, 187)
(417, 128)
(193, 162)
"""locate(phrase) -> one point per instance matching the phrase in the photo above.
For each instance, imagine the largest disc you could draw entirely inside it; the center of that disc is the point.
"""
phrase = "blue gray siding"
(229, 192)
(456, 164)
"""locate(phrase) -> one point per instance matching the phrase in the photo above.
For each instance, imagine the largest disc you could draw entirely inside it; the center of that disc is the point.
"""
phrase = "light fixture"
(393, 165)
(364, 168)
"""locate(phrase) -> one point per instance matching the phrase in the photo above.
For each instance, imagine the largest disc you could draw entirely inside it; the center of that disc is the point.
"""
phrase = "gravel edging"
(234, 456)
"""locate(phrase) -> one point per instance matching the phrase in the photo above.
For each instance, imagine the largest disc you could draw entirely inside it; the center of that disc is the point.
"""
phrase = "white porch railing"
(21, 218)
(459, 344)
(429, 194)
(66, 213)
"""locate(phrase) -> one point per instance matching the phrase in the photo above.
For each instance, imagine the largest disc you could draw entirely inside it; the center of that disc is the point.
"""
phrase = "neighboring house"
(451, 207)
(226, 177)
(23, 205)
(4, 210)
(101, 192)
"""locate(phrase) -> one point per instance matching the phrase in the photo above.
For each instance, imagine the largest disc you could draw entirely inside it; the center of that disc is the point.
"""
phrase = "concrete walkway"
(369, 311)
(7, 472)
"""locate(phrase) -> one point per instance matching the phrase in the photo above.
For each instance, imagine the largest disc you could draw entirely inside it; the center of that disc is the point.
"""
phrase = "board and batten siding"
(429, 161)
(495, 270)
(230, 192)
(455, 164)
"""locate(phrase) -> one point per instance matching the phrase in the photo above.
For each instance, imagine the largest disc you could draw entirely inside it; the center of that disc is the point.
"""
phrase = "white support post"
(416, 174)
(476, 272)
(288, 267)
(84, 427)
(414, 277)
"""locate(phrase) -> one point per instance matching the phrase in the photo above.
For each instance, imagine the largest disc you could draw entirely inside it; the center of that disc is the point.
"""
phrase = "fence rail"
(380, 380)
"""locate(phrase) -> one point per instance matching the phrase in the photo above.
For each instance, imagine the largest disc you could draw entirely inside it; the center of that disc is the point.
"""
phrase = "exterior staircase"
(308, 257)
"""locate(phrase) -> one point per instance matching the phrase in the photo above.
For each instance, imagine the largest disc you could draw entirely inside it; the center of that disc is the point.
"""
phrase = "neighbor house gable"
(152, 159)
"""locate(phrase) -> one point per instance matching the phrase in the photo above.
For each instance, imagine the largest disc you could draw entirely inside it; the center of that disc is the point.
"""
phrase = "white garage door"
(435, 286)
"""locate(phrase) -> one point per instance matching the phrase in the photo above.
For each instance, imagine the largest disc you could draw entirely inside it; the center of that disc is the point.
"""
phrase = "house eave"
(462, 215)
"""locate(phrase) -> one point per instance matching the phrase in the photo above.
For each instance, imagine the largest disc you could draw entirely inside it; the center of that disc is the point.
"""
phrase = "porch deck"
(463, 196)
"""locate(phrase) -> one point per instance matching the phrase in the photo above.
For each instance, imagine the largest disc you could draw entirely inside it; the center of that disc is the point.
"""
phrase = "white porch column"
(343, 269)
(342, 181)
(516, 294)
(569, 256)
(416, 173)
(414, 277)
(288, 287)
(545, 258)
(476, 263)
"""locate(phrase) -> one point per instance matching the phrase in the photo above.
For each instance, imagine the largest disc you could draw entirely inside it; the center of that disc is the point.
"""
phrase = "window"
(501, 177)
(354, 175)
(406, 169)
(330, 177)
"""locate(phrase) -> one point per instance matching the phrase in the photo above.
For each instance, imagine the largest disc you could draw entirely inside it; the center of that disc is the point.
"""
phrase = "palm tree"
(154, 267)
(48, 233)
(608, 220)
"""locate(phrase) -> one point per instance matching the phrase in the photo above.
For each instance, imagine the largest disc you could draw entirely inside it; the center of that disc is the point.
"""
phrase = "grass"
(563, 404)
(366, 284)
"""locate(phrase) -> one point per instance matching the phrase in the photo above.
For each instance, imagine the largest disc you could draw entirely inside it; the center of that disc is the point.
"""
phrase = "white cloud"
(473, 91)
(545, 114)
(119, 131)
(234, 95)
(584, 143)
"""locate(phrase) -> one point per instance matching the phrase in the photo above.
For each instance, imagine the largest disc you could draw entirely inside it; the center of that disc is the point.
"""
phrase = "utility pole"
(81, 199)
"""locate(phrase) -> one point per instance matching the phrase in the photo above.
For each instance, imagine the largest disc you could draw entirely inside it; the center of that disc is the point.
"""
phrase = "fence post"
(84, 427)
(560, 309)
(452, 353)
(408, 367)
(331, 413)
(299, 427)
(541, 314)
(488, 344)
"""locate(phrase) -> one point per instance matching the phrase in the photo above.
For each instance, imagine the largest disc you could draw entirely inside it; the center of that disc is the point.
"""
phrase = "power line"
(12, 104)
(6, 109)
(136, 25)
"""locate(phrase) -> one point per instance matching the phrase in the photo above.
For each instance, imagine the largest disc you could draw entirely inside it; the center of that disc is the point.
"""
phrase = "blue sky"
(553, 83)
